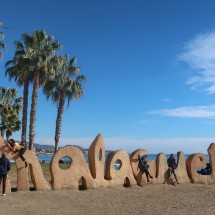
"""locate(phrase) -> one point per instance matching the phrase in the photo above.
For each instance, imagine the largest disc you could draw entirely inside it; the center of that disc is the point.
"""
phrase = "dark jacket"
(4, 165)
(143, 166)
(171, 162)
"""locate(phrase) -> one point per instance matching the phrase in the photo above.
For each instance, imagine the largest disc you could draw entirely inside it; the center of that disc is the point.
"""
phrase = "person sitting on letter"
(172, 166)
(15, 147)
(143, 165)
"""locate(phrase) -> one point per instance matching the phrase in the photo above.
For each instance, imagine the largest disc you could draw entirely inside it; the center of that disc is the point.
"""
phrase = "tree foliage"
(10, 107)
(19, 69)
(2, 44)
(65, 84)
(36, 51)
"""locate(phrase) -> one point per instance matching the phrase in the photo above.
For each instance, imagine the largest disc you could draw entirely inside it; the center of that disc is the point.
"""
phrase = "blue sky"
(150, 68)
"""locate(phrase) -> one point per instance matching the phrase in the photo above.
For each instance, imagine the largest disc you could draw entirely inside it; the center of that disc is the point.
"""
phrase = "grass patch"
(64, 165)
(13, 167)
(44, 166)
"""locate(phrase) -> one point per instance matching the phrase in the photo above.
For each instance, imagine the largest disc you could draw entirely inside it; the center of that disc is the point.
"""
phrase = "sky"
(150, 67)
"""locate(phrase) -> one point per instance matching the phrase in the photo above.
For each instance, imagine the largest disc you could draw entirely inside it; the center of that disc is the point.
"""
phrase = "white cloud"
(188, 112)
(153, 145)
(199, 54)
(166, 100)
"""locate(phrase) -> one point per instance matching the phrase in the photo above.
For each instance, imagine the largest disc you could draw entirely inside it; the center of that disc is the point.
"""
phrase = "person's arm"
(17, 147)
(10, 146)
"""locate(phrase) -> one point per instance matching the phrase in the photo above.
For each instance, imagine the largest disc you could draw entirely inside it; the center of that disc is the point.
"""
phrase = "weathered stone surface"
(198, 161)
(138, 174)
(69, 178)
(37, 176)
(161, 169)
(122, 176)
(96, 156)
(181, 170)
(193, 163)
(211, 152)
(92, 176)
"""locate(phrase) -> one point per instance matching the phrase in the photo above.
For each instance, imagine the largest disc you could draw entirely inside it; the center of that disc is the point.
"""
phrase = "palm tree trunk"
(25, 111)
(8, 134)
(59, 121)
(33, 109)
(2, 133)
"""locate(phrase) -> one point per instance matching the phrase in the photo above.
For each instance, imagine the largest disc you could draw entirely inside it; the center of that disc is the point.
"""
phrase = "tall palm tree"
(40, 49)
(19, 69)
(10, 107)
(2, 44)
(65, 85)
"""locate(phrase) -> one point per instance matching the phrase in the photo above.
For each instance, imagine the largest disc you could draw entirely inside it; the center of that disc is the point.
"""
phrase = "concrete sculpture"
(122, 174)
(119, 169)
(138, 174)
(198, 161)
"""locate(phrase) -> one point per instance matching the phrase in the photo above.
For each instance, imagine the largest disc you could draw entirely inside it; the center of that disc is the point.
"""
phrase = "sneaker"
(3, 194)
(177, 182)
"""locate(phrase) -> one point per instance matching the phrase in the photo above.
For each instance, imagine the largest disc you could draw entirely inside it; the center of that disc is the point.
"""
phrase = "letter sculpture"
(119, 169)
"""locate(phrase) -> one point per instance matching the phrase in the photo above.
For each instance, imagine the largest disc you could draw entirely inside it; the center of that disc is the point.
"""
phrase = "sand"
(150, 199)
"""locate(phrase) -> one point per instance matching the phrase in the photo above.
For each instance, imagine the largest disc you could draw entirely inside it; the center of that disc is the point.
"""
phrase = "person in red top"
(172, 166)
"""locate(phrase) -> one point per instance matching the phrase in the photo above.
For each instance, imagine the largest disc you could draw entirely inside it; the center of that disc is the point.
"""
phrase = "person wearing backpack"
(172, 166)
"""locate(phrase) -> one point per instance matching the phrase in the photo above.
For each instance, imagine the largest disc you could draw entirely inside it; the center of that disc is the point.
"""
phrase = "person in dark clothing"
(172, 166)
(143, 165)
(4, 169)
(18, 148)
(206, 170)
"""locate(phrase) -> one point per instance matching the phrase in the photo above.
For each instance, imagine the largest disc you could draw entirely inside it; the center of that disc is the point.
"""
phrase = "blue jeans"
(4, 177)
(172, 171)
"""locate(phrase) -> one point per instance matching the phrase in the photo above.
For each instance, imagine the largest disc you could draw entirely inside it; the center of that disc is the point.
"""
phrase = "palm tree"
(40, 49)
(19, 69)
(10, 123)
(10, 108)
(65, 85)
(2, 44)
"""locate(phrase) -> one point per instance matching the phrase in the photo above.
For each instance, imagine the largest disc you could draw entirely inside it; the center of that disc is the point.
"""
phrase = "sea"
(46, 158)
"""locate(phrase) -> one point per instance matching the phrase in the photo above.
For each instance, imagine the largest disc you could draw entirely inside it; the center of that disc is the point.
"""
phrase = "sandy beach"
(150, 199)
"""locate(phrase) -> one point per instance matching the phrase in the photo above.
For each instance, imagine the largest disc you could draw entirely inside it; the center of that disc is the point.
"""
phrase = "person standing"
(172, 166)
(4, 169)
